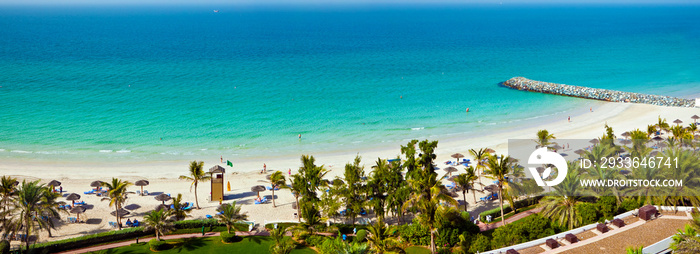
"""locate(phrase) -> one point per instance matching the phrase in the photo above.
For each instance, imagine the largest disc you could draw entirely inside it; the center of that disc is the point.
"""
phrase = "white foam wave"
(20, 151)
(124, 151)
(106, 151)
(418, 128)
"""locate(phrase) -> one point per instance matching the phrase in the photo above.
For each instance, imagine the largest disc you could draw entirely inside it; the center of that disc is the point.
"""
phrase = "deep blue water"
(151, 83)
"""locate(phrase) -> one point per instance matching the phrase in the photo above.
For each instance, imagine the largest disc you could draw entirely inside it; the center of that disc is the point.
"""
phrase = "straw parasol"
(678, 121)
(258, 189)
(594, 141)
(141, 183)
(96, 184)
(457, 156)
(73, 197)
(626, 134)
(163, 197)
(489, 150)
(695, 118)
(556, 147)
(491, 188)
(54, 184)
(626, 142)
(162, 207)
(452, 178)
(77, 211)
(654, 153)
(450, 170)
(122, 212)
(580, 152)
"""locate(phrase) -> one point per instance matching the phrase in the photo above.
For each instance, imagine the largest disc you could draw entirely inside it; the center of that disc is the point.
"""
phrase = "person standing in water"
(299, 136)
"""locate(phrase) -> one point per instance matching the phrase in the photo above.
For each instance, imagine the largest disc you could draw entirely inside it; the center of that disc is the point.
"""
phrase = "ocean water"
(162, 83)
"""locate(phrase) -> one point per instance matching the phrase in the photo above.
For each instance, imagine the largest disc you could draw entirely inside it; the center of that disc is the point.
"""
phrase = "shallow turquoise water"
(152, 83)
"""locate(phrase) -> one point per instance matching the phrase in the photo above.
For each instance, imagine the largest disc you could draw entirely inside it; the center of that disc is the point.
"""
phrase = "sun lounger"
(209, 216)
(136, 223)
(145, 192)
(89, 192)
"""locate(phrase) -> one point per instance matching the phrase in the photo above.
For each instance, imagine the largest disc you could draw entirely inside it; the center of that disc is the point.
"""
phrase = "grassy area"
(520, 210)
(249, 244)
(417, 250)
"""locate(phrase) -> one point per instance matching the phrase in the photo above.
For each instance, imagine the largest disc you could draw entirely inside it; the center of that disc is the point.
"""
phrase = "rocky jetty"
(521, 83)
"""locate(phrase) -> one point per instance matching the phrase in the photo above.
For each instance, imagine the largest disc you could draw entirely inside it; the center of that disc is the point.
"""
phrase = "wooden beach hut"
(217, 183)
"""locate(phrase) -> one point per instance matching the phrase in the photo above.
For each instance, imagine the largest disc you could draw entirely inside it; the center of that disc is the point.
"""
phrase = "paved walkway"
(488, 226)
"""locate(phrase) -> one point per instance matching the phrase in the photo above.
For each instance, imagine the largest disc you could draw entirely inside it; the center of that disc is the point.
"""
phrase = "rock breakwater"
(521, 83)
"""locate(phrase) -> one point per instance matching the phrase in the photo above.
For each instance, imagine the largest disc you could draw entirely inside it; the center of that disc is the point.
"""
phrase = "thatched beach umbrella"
(449, 170)
(557, 147)
(695, 118)
(678, 121)
(54, 184)
(654, 153)
(96, 184)
(626, 142)
(489, 150)
(580, 152)
(77, 211)
(594, 141)
(491, 188)
(141, 183)
(626, 134)
(73, 197)
(452, 178)
(162, 207)
(258, 189)
(163, 197)
(658, 139)
(458, 156)
(122, 212)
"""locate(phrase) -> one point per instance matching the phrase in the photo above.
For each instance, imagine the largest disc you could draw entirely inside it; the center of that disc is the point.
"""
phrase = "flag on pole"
(228, 162)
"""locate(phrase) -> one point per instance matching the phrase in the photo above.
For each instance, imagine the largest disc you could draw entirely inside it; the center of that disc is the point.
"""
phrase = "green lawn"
(417, 250)
(250, 244)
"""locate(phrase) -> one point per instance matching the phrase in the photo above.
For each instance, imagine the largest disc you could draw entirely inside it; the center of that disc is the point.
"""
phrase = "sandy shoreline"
(163, 175)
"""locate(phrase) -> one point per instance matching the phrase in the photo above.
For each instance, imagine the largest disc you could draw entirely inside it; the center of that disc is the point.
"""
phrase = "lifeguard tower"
(217, 182)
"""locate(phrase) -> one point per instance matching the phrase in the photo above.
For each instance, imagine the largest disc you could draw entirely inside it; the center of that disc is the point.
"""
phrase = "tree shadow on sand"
(188, 244)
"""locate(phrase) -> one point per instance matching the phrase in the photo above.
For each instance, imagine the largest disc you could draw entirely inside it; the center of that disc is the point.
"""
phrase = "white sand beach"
(76, 178)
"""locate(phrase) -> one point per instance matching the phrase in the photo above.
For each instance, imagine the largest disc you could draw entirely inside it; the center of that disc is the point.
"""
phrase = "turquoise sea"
(145, 83)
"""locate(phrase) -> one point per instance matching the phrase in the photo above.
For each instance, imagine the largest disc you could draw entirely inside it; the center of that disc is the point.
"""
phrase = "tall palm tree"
(196, 175)
(116, 195)
(465, 182)
(543, 138)
(499, 169)
(686, 241)
(480, 156)
(297, 186)
(651, 129)
(277, 180)
(662, 124)
(562, 206)
(178, 210)
(159, 222)
(8, 188)
(49, 208)
(230, 215)
(26, 205)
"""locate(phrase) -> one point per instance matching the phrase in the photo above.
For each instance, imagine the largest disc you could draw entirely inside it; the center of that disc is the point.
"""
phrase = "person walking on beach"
(290, 172)
(569, 118)
(264, 168)
(222, 159)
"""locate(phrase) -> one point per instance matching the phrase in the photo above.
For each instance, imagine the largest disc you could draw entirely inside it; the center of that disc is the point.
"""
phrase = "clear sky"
(323, 2)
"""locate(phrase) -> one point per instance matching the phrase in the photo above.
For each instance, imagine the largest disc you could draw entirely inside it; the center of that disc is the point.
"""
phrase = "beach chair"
(138, 192)
(136, 223)
(209, 216)
(145, 192)
(89, 192)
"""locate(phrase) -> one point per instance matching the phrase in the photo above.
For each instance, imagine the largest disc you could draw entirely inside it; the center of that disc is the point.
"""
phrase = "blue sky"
(323, 2)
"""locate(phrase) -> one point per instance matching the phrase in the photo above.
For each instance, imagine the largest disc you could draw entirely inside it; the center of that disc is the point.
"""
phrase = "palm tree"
(380, 238)
(543, 137)
(178, 210)
(196, 175)
(8, 188)
(635, 250)
(282, 245)
(230, 214)
(277, 180)
(465, 182)
(26, 205)
(49, 208)
(158, 221)
(687, 241)
(116, 196)
(499, 169)
(297, 185)
(651, 129)
(562, 206)
(662, 124)
(480, 157)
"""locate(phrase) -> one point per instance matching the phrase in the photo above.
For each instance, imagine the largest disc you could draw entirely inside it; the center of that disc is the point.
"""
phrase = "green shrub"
(89, 240)
(480, 244)
(629, 205)
(315, 240)
(496, 212)
(156, 245)
(228, 237)
(607, 206)
(528, 229)
(415, 233)
(588, 212)
(361, 235)
(4, 247)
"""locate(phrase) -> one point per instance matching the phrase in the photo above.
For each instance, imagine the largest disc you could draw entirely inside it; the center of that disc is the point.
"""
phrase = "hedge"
(185, 226)
(156, 245)
(496, 212)
(4, 247)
